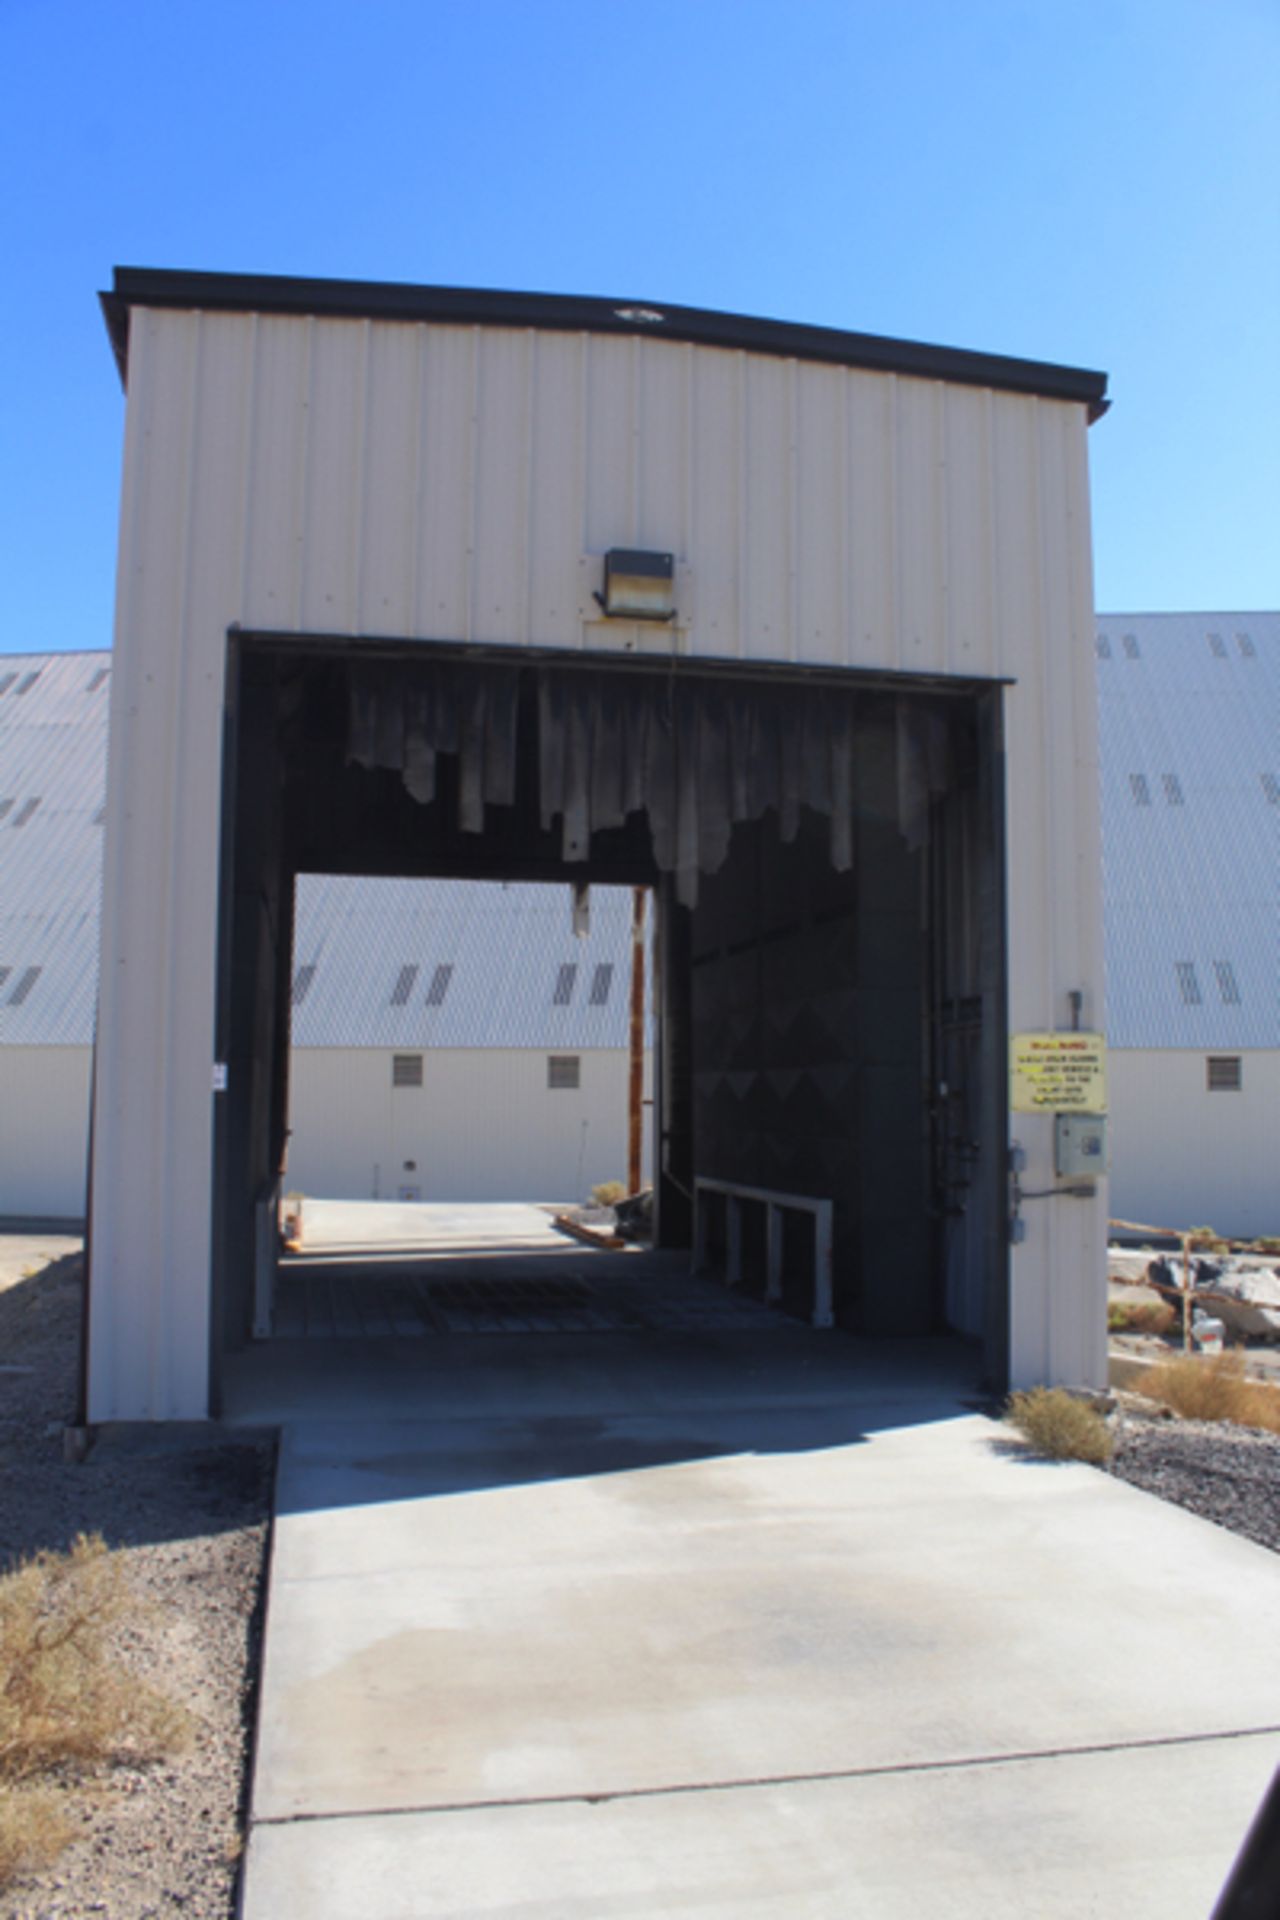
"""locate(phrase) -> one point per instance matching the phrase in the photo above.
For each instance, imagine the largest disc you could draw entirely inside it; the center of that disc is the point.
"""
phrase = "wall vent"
(1188, 985)
(564, 985)
(1224, 1073)
(601, 981)
(1102, 647)
(1129, 642)
(1228, 985)
(440, 984)
(406, 1069)
(564, 1072)
(1140, 790)
(25, 811)
(1217, 646)
(302, 982)
(1172, 789)
(26, 981)
(404, 985)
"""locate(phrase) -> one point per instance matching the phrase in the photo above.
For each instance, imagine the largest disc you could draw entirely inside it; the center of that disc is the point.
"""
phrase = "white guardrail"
(776, 1205)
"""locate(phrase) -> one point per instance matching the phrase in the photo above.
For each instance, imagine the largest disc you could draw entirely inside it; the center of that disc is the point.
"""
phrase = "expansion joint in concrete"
(966, 1764)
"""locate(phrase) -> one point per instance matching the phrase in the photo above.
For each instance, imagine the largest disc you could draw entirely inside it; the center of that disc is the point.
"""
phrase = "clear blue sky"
(1095, 182)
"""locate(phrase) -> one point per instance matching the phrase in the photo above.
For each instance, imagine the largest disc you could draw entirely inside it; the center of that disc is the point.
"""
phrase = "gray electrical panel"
(1080, 1145)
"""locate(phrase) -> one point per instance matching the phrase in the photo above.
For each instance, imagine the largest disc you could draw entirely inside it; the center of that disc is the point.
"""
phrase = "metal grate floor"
(341, 1302)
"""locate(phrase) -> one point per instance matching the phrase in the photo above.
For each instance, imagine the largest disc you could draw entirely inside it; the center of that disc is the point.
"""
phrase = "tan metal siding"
(449, 482)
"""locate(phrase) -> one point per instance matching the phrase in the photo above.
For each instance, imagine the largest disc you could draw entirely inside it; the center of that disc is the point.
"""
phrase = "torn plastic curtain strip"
(697, 757)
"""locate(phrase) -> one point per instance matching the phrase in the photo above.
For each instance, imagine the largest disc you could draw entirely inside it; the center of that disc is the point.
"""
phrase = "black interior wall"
(799, 1030)
(809, 1034)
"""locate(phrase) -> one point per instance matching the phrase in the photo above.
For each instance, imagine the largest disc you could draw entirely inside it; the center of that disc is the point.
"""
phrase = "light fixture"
(638, 586)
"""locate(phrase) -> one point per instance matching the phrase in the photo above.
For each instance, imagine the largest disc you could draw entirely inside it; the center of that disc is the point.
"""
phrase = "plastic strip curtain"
(696, 755)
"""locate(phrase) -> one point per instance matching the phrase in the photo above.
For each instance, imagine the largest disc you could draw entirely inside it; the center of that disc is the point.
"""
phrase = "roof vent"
(25, 685)
(1228, 986)
(1140, 790)
(302, 982)
(1172, 789)
(103, 673)
(24, 986)
(440, 984)
(1188, 985)
(4, 974)
(403, 986)
(1129, 642)
(1217, 646)
(1102, 647)
(564, 985)
(1244, 642)
(1270, 786)
(6, 806)
(25, 811)
(601, 981)
(6, 681)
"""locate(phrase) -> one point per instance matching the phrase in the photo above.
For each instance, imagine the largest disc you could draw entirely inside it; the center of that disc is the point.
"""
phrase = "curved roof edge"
(576, 313)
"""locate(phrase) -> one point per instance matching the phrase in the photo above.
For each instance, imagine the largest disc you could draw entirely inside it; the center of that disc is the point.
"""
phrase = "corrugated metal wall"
(44, 1131)
(484, 1125)
(1185, 1157)
(444, 482)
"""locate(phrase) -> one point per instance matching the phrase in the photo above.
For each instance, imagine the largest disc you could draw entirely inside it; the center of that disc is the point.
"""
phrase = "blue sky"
(1096, 183)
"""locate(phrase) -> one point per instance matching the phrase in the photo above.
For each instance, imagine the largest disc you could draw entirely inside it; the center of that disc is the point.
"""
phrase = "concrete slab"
(1147, 1834)
(740, 1626)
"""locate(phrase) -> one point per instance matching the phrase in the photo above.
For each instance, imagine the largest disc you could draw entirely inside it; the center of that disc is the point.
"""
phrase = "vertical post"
(773, 1283)
(823, 1279)
(635, 1082)
(1186, 1293)
(733, 1239)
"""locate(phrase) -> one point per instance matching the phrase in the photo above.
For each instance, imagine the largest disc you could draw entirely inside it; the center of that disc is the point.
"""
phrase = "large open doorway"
(825, 854)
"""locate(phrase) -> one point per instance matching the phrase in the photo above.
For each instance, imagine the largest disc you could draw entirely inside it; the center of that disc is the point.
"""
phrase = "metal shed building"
(363, 533)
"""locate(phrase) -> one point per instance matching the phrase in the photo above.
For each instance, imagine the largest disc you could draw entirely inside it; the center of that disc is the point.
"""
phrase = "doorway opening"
(824, 854)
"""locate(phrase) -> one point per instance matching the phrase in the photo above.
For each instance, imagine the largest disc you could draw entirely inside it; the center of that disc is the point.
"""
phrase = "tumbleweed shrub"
(68, 1704)
(1213, 1387)
(1140, 1316)
(1059, 1425)
(608, 1193)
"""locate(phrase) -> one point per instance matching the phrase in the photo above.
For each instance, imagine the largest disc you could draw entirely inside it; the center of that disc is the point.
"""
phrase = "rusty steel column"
(635, 1082)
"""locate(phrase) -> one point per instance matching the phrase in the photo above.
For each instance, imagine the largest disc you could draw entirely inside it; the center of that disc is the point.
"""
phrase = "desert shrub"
(1206, 1240)
(1213, 1387)
(1140, 1316)
(67, 1704)
(608, 1193)
(1060, 1425)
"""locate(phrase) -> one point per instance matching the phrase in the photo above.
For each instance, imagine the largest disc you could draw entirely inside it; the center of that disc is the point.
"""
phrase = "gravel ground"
(1230, 1475)
(190, 1520)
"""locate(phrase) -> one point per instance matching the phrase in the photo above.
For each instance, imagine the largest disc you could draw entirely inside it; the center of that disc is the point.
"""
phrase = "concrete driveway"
(771, 1625)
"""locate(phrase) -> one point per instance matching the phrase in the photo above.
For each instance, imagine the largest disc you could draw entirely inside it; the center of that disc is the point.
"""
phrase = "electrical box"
(1080, 1145)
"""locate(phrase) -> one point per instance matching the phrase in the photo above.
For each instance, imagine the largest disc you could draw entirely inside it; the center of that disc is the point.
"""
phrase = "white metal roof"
(456, 963)
(53, 747)
(1189, 711)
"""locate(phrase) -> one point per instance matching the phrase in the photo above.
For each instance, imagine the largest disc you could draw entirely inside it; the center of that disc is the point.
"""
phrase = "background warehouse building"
(1190, 716)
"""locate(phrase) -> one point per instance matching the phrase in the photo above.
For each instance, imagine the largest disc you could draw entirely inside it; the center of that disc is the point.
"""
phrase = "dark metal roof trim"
(573, 313)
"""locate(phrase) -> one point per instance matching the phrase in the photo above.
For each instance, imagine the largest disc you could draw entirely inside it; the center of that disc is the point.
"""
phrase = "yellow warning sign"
(1058, 1073)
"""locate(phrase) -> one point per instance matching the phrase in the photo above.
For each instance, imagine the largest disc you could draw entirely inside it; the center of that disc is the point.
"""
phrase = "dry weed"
(1140, 1316)
(1059, 1425)
(1213, 1387)
(32, 1832)
(67, 1704)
